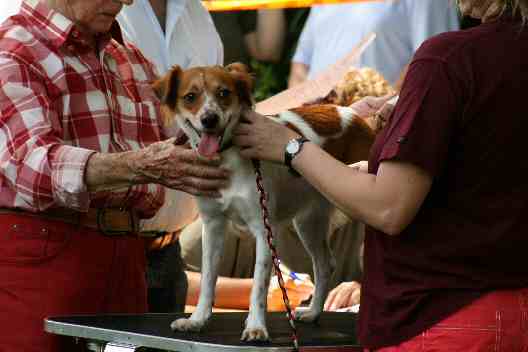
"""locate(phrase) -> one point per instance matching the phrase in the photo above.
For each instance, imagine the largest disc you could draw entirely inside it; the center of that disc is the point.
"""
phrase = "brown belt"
(109, 221)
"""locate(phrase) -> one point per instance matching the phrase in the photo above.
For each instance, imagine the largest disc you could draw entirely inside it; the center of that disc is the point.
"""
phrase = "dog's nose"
(210, 120)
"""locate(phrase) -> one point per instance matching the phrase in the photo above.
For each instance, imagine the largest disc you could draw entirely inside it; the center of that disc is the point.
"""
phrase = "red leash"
(274, 255)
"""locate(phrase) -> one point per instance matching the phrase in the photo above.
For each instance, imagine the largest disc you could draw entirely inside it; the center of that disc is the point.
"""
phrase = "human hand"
(345, 295)
(180, 168)
(368, 106)
(262, 138)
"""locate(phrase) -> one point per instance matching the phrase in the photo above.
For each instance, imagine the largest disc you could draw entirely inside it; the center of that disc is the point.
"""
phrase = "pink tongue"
(209, 144)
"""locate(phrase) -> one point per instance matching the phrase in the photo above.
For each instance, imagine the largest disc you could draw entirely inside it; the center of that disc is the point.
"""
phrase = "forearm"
(354, 192)
(230, 293)
(387, 201)
(298, 74)
(110, 171)
(271, 26)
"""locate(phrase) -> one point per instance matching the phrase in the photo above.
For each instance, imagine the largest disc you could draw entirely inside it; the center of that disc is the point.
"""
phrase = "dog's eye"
(224, 93)
(189, 97)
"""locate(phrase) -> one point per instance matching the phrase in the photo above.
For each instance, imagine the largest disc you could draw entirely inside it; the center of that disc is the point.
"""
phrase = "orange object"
(298, 291)
(236, 5)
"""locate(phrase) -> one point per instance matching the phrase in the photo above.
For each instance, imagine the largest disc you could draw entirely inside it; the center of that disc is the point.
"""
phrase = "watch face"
(292, 147)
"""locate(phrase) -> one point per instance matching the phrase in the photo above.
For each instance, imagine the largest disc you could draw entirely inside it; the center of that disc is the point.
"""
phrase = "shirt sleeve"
(35, 163)
(431, 17)
(305, 45)
(423, 123)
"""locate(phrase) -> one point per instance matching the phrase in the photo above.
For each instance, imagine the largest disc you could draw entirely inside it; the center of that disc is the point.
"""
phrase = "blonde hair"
(515, 7)
(502, 7)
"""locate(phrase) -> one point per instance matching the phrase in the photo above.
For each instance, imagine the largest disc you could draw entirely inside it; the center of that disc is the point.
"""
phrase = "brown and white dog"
(206, 103)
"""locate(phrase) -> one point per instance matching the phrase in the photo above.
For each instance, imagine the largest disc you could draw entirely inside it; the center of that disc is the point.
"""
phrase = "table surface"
(333, 331)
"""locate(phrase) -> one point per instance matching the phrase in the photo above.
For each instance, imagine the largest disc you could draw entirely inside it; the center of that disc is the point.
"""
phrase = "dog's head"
(205, 102)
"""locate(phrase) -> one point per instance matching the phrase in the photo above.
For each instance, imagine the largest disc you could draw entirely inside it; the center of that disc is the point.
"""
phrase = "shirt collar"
(59, 29)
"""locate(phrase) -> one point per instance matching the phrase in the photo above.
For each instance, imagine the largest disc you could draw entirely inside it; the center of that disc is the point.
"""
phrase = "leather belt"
(109, 221)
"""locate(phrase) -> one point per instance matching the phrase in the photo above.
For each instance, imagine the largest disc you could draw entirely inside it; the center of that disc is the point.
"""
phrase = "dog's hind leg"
(212, 249)
(255, 329)
(312, 228)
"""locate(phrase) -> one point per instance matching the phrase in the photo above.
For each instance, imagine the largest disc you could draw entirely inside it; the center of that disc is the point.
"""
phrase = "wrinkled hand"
(345, 295)
(180, 168)
(262, 138)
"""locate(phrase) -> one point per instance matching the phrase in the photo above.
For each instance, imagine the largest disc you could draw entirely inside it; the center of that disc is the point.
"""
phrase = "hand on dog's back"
(181, 168)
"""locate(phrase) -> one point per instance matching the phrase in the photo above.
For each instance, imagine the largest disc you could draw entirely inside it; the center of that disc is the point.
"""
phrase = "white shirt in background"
(190, 40)
(401, 26)
(8, 8)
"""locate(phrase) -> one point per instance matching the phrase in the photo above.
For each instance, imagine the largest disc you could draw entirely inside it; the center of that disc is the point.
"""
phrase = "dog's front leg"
(213, 235)
(255, 329)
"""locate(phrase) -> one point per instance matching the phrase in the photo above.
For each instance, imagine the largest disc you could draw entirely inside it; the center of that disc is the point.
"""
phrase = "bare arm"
(298, 74)
(230, 293)
(267, 41)
(164, 163)
(387, 201)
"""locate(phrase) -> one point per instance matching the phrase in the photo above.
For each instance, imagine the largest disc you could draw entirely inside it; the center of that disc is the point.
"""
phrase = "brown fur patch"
(354, 145)
(324, 119)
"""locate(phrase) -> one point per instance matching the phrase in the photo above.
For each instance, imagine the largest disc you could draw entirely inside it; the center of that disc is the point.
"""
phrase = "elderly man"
(82, 160)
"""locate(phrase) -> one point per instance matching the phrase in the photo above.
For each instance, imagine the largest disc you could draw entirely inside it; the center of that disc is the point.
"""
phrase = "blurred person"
(332, 31)
(250, 35)
(444, 198)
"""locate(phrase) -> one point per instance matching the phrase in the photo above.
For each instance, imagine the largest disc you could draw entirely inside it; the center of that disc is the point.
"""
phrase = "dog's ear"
(244, 82)
(166, 88)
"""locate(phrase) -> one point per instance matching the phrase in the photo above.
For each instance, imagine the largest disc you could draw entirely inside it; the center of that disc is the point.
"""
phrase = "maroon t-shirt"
(463, 117)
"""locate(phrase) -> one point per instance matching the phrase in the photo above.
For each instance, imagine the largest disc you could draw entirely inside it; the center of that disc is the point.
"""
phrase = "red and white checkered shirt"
(61, 100)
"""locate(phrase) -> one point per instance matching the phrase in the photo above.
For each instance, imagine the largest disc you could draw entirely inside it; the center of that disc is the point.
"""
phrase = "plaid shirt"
(60, 101)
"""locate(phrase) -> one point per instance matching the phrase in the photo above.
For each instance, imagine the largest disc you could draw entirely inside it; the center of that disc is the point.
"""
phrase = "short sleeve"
(424, 120)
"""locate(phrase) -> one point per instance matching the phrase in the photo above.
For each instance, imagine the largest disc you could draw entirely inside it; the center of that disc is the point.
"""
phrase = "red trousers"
(52, 268)
(497, 322)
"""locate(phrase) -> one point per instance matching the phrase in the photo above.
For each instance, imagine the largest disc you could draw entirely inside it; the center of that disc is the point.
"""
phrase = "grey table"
(121, 333)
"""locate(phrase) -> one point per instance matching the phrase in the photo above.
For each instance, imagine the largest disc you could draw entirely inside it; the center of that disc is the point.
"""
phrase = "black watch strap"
(288, 157)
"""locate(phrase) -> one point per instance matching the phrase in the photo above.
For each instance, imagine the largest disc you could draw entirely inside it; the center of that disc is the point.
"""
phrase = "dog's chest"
(240, 201)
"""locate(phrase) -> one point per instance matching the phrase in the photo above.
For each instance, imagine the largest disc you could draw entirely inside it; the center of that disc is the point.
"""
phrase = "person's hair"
(515, 7)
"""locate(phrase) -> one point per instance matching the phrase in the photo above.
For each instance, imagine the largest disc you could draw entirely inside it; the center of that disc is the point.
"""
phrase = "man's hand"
(164, 163)
(181, 168)
(345, 295)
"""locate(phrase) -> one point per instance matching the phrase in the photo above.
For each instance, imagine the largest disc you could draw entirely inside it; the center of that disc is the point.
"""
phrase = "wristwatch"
(293, 148)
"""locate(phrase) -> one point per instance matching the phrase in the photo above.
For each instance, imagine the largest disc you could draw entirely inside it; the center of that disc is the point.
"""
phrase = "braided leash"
(274, 255)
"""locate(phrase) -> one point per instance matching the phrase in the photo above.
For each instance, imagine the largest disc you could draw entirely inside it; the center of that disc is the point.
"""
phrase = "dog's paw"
(184, 324)
(306, 315)
(257, 333)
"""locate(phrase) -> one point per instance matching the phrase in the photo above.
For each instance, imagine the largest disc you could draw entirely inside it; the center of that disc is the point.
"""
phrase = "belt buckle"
(102, 225)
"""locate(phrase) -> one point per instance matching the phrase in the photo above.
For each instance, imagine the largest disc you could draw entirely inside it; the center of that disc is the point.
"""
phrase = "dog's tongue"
(209, 144)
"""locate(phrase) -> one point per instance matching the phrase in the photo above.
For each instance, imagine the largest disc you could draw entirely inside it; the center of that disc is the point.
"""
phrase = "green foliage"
(272, 78)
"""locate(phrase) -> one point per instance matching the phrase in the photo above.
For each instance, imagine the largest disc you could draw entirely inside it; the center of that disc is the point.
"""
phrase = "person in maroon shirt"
(446, 193)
